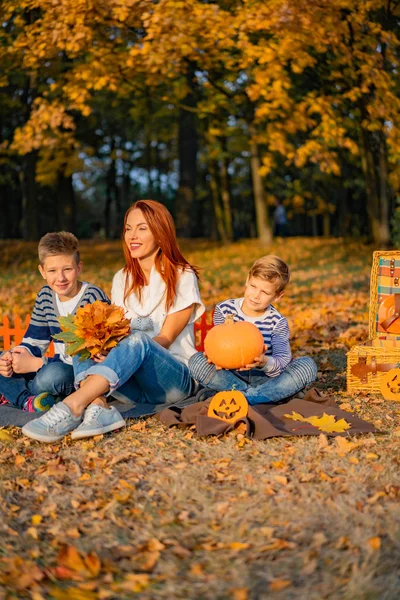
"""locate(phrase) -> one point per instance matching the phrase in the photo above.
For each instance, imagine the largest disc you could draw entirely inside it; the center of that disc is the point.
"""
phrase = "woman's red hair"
(168, 260)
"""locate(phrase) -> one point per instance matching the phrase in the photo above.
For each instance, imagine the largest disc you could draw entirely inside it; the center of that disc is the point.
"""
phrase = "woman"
(159, 291)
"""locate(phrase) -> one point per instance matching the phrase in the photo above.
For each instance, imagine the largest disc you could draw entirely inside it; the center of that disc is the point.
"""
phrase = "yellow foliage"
(325, 423)
(267, 44)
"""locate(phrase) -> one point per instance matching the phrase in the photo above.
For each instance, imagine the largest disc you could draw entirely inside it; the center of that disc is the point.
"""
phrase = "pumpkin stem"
(229, 320)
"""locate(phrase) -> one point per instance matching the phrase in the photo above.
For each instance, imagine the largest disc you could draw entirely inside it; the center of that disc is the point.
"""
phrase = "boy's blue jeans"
(255, 384)
(56, 378)
(141, 370)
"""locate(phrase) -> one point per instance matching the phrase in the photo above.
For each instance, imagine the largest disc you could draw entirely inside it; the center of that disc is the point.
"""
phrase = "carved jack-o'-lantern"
(390, 385)
(228, 406)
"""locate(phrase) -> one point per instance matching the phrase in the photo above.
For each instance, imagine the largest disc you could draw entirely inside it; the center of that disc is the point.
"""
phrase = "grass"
(156, 513)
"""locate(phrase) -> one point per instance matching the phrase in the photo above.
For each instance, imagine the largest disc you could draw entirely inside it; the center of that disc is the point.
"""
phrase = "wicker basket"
(367, 363)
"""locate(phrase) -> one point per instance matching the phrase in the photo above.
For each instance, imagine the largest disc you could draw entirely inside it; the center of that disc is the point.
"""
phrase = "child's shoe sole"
(41, 438)
(81, 434)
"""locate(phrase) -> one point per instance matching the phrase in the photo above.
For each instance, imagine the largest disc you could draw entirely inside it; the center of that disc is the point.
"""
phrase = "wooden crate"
(367, 363)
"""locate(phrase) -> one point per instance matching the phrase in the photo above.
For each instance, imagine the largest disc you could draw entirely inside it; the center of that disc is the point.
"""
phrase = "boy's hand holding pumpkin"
(258, 363)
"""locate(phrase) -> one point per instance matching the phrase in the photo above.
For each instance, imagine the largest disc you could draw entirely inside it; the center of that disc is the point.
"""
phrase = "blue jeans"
(56, 378)
(255, 384)
(141, 370)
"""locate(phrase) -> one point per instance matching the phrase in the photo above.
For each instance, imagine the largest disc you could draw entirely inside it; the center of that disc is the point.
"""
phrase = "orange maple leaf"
(95, 328)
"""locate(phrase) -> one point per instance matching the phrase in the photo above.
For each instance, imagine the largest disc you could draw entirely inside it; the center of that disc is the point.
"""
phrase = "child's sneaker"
(53, 425)
(98, 420)
(40, 403)
(3, 400)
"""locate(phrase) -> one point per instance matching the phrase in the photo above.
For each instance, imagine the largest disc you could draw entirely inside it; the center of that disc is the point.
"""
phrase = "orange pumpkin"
(233, 345)
(390, 385)
(228, 406)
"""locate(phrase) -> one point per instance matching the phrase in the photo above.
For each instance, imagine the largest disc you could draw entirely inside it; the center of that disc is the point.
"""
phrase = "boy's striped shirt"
(44, 322)
(273, 326)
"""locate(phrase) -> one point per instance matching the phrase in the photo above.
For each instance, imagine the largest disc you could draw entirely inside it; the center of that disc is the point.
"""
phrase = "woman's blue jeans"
(255, 384)
(141, 370)
(56, 378)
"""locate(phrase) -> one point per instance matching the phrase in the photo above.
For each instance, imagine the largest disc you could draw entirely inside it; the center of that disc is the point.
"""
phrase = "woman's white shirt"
(152, 305)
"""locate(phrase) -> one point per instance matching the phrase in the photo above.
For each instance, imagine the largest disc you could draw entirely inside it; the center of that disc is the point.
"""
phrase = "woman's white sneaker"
(98, 420)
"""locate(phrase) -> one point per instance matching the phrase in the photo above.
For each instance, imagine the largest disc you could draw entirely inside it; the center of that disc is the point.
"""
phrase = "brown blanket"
(267, 420)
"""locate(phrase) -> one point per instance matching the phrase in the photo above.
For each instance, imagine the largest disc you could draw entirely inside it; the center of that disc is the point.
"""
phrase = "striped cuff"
(268, 367)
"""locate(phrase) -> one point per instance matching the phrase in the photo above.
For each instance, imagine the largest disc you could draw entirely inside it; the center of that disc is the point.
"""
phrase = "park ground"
(152, 513)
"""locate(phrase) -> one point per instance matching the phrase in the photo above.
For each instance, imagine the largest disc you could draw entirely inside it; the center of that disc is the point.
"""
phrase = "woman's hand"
(100, 357)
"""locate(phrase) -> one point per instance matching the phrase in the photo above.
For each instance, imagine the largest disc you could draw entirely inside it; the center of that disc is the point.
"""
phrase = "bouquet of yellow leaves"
(95, 328)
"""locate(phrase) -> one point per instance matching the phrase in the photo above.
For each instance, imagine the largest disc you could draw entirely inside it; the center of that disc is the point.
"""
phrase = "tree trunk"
(185, 216)
(158, 166)
(108, 204)
(314, 225)
(10, 206)
(226, 193)
(373, 152)
(118, 209)
(326, 224)
(66, 203)
(112, 192)
(343, 207)
(219, 216)
(384, 190)
(264, 232)
(29, 220)
(27, 175)
(126, 186)
(149, 163)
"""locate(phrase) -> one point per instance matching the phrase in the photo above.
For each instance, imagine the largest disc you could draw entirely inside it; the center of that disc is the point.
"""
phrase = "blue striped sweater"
(273, 326)
(44, 322)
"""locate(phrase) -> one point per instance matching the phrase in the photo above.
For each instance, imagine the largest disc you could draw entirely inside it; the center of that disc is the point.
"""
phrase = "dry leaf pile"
(153, 513)
(95, 328)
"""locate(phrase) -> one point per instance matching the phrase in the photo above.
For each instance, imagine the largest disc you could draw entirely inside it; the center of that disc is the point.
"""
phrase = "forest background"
(217, 109)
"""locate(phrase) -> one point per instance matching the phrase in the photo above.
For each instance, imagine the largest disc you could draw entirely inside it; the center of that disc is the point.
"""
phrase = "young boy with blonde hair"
(273, 376)
(29, 380)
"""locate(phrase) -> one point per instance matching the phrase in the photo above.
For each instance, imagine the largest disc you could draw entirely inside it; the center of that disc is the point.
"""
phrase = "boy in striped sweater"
(273, 376)
(29, 380)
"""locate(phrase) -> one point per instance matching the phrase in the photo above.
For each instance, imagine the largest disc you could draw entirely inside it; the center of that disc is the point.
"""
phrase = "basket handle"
(390, 320)
(361, 369)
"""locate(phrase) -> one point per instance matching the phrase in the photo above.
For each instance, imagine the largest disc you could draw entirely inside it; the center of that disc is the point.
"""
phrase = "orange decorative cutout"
(387, 313)
(233, 345)
(228, 406)
(390, 385)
